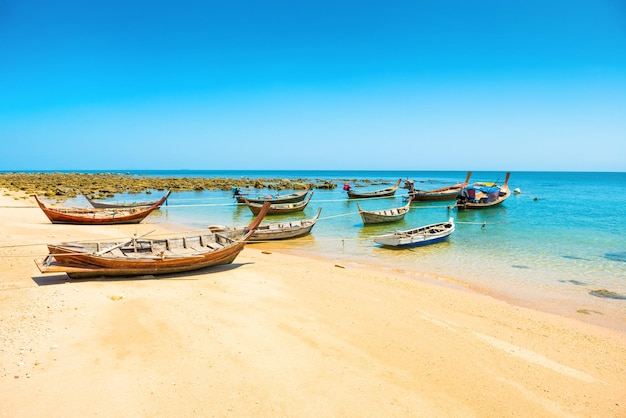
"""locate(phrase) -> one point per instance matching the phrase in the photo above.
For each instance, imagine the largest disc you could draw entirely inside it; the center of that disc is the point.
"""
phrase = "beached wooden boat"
(423, 235)
(98, 216)
(443, 193)
(276, 208)
(119, 205)
(386, 192)
(276, 230)
(298, 196)
(483, 195)
(383, 215)
(143, 256)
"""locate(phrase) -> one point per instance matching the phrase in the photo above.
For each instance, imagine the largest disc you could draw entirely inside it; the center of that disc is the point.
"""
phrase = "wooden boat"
(386, 192)
(444, 193)
(114, 205)
(483, 195)
(383, 215)
(298, 196)
(276, 208)
(98, 216)
(142, 256)
(423, 235)
(277, 230)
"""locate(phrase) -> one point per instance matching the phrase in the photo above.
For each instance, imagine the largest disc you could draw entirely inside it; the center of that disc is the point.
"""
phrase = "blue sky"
(407, 85)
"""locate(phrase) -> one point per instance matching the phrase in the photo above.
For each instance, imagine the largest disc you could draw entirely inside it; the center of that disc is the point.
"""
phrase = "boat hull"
(417, 237)
(493, 196)
(98, 216)
(86, 265)
(387, 192)
(279, 208)
(288, 198)
(383, 216)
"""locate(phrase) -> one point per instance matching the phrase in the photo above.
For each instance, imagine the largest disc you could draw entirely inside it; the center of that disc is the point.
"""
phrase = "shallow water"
(549, 247)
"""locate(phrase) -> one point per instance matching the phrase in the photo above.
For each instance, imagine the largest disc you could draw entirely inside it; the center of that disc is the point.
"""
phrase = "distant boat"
(483, 195)
(298, 196)
(423, 235)
(98, 216)
(386, 192)
(383, 215)
(276, 208)
(114, 205)
(140, 256)
(277, 230)
(444, 193)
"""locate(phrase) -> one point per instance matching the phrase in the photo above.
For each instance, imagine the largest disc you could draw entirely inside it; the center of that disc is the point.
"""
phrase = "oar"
(106, 250)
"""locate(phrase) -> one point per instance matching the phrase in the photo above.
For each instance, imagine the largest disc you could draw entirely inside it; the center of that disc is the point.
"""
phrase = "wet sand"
(275, 334)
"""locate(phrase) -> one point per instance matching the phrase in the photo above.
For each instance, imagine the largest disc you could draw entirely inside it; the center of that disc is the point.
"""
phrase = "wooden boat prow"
(98, 216)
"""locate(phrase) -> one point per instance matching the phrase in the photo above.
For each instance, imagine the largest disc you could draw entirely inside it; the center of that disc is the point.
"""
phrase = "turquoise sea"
(552, 247)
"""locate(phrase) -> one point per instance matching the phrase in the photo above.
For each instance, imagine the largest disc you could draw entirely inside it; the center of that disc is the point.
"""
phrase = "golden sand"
(281, 335)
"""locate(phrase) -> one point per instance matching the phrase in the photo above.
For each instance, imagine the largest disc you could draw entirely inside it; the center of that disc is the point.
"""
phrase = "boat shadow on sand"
(62, 278)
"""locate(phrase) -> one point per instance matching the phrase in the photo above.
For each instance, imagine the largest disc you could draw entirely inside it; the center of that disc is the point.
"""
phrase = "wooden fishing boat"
(443, 193)
(386, 192)
(276, 230)
(276, 208)
(483, 195)
(298, 196)
(423, 235)
(119, 205)
(143, 256)
(98, 216)
(383, 215)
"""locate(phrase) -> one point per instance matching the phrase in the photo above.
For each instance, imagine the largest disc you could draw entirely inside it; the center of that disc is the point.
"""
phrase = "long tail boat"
(483, 195)
(443, 193)
(384, 215)
(386, 192)
(277, 230)
(276, 208)
(98, 216)
(423, 235)
(298, 196)
(140, 256)
(116, 205)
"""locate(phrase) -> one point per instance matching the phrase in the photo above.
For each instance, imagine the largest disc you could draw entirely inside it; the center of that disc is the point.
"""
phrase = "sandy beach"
(275, 334)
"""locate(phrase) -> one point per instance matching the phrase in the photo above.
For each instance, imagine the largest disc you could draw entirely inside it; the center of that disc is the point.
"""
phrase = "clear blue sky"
(408, 85)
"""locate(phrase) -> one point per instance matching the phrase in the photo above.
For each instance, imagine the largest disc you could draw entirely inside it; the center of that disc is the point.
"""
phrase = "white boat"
(423, 235)
(383, 215)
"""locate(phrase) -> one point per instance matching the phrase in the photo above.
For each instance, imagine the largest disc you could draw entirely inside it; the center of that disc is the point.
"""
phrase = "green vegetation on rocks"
(103, 185)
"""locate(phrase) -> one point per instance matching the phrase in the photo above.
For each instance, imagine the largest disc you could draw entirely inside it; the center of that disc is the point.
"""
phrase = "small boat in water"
(276, 230)
(483, 195)
(386, 192)
(141, 256)
(384, 215)
(98, 216)
(115, 205)
(276, 208)
(423, 235)
(443, 193)
(298, 196)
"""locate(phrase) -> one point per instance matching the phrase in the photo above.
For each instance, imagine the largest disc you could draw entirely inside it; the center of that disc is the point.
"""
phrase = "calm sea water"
(549, 247)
